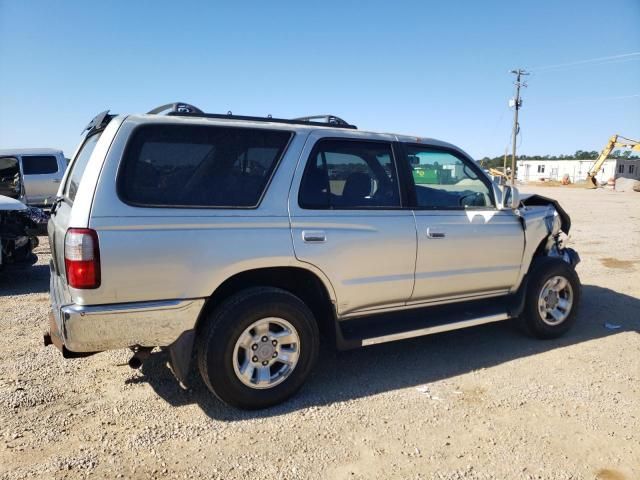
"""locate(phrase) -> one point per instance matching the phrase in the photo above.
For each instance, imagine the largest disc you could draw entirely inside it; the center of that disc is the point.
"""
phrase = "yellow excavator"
(616, 141)
(499, 173)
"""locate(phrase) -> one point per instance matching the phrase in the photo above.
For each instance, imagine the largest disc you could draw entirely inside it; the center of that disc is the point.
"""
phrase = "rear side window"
(79, 165)
(347, 174)
(39, 164)
(199, 166)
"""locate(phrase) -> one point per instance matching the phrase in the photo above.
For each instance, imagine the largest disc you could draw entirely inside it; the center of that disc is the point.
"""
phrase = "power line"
(603, 64)
(586, 100)
(625, 56)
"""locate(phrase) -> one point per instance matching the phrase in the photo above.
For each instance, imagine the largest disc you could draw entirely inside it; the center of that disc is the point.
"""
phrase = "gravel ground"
(485, 403)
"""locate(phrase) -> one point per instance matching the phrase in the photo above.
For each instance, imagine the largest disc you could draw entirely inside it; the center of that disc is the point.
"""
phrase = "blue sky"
(436, 69)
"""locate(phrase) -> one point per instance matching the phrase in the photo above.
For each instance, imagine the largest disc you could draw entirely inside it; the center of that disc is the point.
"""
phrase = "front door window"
(444, 181)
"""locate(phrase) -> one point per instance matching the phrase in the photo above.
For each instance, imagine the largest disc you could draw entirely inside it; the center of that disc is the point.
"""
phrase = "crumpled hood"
(11, 204)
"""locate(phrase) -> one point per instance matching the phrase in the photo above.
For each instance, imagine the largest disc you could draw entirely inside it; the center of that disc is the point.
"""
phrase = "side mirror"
(510, 197)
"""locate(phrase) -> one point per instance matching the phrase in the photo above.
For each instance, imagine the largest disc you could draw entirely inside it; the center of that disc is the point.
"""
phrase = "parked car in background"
(241, 239)
(18, 232)
(42, 170)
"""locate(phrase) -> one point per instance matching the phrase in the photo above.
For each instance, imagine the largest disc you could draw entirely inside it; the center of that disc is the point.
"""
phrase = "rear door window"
(39, 164)
(199, 166)
(347, 174)
(79, 165)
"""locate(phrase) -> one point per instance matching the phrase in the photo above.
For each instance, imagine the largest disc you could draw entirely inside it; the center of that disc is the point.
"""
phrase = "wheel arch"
(304, 283)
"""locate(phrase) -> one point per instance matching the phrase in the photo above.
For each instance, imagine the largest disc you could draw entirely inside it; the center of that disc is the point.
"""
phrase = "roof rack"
(330, 119)
(185, 110)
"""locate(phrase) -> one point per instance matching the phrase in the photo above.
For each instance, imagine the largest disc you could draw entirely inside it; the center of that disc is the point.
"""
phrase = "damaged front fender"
(546, 227)
(532, 200)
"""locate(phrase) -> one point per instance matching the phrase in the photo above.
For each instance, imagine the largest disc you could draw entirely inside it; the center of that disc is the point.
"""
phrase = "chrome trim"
(435, 329)
(147, 324)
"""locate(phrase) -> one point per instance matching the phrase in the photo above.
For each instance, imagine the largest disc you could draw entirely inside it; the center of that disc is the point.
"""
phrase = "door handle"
(432, 234)
(55, 180)
(314, 236)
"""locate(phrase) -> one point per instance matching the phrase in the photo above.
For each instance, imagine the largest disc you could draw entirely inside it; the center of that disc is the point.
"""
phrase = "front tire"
(553, 295)
(258, 347)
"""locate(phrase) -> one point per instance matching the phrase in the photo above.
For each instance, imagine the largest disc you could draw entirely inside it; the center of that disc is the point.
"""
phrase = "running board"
(435, 329)
(365, 331)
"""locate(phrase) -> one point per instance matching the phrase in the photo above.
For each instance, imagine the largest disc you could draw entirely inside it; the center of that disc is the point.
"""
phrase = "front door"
(347, 220)
(466, 246)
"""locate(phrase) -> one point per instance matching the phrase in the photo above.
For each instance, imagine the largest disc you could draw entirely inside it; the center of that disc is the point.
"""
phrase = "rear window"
(199, 166)
(39, 164)
(79, 165)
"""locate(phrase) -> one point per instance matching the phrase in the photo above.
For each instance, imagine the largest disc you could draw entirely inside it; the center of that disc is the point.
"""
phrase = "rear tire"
(242, 368)
(553, 295)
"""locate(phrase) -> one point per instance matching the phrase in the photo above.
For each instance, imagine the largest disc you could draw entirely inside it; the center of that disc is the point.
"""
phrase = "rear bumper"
(96, 328)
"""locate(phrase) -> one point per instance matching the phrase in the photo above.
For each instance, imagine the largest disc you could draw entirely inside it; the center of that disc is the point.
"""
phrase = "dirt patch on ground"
(606, 474)
(611, 262)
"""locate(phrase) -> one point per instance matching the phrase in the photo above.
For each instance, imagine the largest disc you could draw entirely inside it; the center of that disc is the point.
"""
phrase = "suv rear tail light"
(82, 258)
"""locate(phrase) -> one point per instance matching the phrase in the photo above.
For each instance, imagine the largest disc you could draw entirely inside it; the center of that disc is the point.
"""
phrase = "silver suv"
(242, 241)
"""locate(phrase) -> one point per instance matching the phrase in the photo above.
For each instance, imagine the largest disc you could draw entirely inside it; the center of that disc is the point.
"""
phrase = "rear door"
(41, 177)
(466, 246)
(348, 219)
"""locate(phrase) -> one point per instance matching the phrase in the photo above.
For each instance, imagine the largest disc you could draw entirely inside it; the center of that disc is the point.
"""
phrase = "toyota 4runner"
(241, 241)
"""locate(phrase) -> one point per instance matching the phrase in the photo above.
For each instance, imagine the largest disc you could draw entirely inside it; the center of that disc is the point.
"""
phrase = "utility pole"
(516, 103)
(503, 181)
